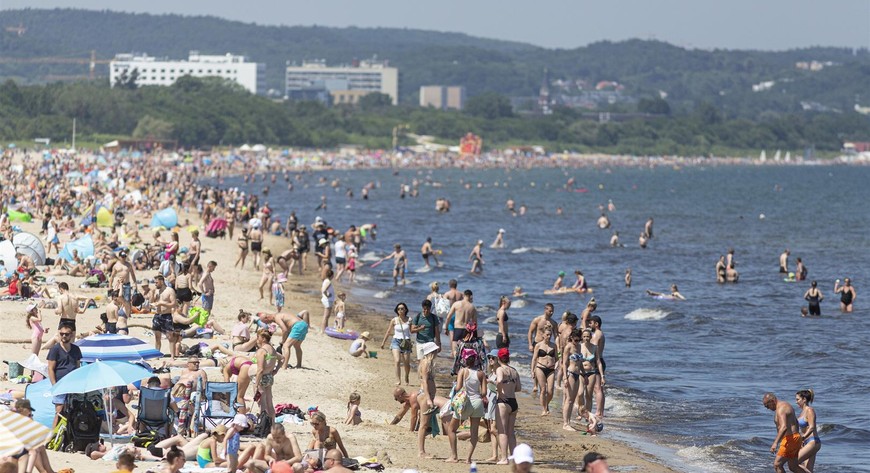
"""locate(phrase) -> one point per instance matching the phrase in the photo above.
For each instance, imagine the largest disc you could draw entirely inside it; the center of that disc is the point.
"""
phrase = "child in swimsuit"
(339, 311)
(354, 416)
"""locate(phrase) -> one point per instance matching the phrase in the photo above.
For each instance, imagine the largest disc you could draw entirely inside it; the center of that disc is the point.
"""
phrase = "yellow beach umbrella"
(18, 432)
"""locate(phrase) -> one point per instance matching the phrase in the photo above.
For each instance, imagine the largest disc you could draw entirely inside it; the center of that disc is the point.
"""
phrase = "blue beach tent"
(84, 245)
(166, 218)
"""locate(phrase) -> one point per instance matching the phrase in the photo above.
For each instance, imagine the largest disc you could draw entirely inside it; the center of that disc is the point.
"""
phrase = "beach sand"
(329, 375)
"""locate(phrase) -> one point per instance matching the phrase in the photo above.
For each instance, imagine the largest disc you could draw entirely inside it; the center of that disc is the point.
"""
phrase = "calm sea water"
(686, 376)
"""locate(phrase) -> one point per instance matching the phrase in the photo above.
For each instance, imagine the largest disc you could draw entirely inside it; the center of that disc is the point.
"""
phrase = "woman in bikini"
(324, 436)
(508, 381)
(591, 370)
(267, 360)
(544, 361)
(242, 241)
(239, 366)
(571, 360)
(183, 290)
(502, 339)
(809, 432)
(268, 272)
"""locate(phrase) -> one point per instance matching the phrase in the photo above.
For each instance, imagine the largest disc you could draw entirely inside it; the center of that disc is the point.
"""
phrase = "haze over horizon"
(739, 24)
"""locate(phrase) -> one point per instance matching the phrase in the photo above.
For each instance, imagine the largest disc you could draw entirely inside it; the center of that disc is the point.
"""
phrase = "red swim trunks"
(789, 446)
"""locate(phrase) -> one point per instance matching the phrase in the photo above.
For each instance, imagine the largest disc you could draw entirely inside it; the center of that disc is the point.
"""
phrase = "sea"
(684, 379)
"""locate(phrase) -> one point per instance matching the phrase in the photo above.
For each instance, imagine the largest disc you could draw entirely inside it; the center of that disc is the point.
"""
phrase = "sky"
(707, 24)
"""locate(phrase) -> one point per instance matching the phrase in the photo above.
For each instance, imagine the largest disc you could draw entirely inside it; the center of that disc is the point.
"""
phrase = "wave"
(535, 249)
(518, 303)
(703, 457)
(382, 294)
(368, 256)
(424, 269)
(647, 314)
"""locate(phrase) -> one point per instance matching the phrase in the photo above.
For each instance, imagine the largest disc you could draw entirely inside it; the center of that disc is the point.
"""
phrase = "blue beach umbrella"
(114, 347)
(100, 375)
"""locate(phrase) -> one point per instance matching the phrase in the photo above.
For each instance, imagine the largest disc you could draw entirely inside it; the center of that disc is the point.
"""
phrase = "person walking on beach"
(787, 443)
(163, 301)
(814, 298)
(206, 285)
(243, 248)
(507, 380)
(536, 332)
(463, 313)
(400, 327)
(123, 279)
(426, 325)
(847, 294)
(598, 340)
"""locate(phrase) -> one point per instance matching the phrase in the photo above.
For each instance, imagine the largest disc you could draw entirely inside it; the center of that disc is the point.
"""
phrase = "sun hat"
(30, 307)
(503, 353)
(365, 335)
(428, 347)
(493, 353)
(220, 429)
(241, 420)
(523, 454)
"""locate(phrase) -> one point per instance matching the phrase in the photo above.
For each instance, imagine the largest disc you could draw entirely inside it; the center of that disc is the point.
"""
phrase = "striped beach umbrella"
(114, 347)
(18, 432)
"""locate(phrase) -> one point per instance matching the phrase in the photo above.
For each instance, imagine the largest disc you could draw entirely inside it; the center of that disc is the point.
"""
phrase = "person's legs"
(501, 417)
(551, 380)
(406, 361)
(512, 434)
(475, 427)
(570, 393)
(451, 438)
(421, 435)
(157, 339)
(599, 396)
(541, 380)
(397, 357)
(327, 311)
(297, 348)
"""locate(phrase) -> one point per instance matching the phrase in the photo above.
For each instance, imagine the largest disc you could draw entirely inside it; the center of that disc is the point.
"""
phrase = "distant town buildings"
(154, 71)
(443, 97)
(813, 66)
(762, 86)
(345, 84)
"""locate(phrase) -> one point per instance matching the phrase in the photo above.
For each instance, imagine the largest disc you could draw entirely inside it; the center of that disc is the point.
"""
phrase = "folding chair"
(154, 413)
(220, 404)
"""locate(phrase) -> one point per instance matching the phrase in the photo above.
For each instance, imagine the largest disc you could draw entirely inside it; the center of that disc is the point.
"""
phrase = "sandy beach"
(329, 375)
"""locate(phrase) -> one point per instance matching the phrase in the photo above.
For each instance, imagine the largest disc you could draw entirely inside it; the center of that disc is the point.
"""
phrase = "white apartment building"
(157, 71)
(362, 76)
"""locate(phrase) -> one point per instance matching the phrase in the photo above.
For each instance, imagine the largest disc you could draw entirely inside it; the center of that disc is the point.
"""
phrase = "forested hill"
(644, 68)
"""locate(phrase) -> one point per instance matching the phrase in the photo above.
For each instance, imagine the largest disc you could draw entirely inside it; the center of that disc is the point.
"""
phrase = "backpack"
(263, 427)
(146, 439)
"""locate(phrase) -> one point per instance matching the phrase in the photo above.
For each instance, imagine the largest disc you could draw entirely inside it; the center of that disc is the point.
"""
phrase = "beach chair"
(154, 413)
(219, 407)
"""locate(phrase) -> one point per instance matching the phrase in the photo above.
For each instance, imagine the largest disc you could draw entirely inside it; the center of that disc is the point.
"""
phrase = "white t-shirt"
(340, 249)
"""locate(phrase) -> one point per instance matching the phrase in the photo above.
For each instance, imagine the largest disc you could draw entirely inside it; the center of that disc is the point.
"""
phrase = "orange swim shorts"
(789, 446)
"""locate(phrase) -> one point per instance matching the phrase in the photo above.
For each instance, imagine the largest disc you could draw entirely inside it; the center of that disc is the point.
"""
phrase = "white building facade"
(156, 71)
(364, 76)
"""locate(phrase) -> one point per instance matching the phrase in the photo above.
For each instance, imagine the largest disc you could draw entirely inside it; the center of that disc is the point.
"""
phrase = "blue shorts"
(207, 301)
(127, 292)
(233, 444)
(394, 345)
(58, 400)
(299, 330)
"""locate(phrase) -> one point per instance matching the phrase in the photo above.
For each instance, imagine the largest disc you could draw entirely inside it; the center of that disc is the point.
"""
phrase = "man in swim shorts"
(787, 443)
(783, 261)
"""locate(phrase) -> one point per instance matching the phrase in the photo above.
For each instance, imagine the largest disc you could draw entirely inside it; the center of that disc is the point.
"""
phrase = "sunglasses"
(64, 334)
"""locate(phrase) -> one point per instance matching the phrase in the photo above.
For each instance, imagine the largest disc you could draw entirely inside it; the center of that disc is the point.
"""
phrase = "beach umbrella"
(114, 347)
(7, 256)
(166, 218)
(100, 375)
(18, 432)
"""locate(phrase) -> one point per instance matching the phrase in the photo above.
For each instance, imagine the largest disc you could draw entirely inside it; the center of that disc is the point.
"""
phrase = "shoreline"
(330, 374)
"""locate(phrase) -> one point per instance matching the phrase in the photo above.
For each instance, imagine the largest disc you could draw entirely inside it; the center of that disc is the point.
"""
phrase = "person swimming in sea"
(559, 283)
(674, 295)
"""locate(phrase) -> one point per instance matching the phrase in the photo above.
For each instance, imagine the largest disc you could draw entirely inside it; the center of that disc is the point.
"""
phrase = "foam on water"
(368, 256)
(534, 249)
(382, 294)
(702, 458)
(647, 314)
(519, 303)
(424, 269)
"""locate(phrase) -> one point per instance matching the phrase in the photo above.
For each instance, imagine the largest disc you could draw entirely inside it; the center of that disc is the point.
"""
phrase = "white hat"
(323, 241)
(428, 347)
(523, 454)
(241, 420)
(30, 307)
(501, 230)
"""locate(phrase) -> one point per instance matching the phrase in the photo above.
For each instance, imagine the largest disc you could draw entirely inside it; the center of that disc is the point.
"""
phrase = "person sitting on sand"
(324, 436)
(675, 294)
(278, 447)
(358, 347)
(354, 416)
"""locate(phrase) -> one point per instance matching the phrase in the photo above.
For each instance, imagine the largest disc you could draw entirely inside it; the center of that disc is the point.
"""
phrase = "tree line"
(208, 112)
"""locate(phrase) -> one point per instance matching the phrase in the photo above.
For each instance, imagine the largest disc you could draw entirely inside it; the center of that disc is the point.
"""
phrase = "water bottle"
(473, 467)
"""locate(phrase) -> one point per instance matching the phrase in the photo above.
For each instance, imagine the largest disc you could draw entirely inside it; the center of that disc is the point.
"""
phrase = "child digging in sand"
(354, 416)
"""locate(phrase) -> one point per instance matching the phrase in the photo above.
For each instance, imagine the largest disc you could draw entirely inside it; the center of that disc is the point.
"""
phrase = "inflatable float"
(342, 334)
(566, 290)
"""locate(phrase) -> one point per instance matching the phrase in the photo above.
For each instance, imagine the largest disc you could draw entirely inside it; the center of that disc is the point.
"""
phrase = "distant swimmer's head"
(501, 230)
(479, 242)
(561, 274)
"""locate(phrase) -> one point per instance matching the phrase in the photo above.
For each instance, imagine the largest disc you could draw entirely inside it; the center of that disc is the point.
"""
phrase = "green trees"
(489, 105)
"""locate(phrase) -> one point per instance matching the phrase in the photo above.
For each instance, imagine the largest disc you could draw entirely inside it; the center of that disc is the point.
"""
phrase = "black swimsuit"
(846, 297)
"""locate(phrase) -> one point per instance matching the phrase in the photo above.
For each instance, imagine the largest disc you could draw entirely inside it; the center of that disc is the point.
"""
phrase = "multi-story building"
(361, 77)
(161, 71)
(442, 97)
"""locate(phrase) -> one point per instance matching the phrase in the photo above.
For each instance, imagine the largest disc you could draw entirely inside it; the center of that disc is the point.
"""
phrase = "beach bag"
(405, 344)
(263, 427)
(460, 404)
(442, 306)
(146, 439)
(55, 442)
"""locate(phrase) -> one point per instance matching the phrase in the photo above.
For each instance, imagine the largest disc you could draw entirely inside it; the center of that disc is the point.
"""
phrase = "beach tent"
(7, 256)
(16, 216)
(40, 398)
(84, 245)
(166, 218)
(30, 245)
(105, 218)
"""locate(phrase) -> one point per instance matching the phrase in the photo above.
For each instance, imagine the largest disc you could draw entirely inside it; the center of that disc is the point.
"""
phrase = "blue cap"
(493, 353)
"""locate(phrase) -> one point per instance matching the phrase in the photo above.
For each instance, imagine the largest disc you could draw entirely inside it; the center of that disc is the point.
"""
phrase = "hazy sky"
(733, 24)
